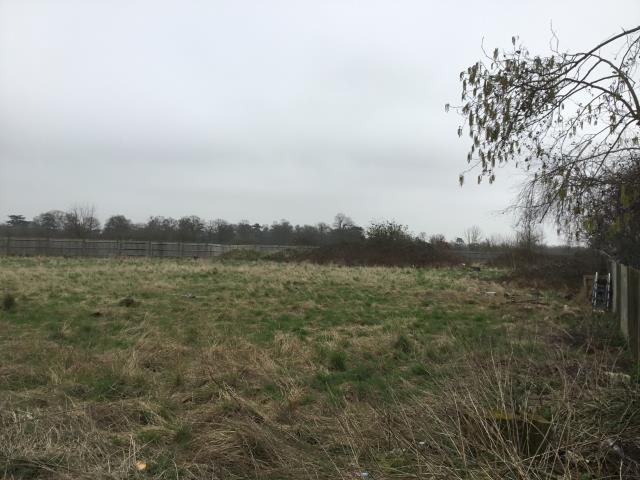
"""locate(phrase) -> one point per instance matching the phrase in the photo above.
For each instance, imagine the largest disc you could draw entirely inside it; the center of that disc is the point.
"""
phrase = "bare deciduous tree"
(81, 221)
(342, 221)
(437, 240)
(473, 235)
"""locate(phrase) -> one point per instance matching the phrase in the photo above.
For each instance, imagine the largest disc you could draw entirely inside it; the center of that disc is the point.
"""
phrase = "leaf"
(461, 179)
(513, 41)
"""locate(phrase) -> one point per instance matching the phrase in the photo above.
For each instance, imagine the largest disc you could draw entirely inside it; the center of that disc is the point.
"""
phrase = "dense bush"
(388, 232)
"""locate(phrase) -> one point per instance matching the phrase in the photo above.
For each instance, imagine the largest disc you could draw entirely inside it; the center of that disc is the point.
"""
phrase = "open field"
(237, 369)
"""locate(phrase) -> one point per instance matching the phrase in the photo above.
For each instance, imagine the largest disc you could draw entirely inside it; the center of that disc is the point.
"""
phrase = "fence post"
(624, 300)
(613, 268)
(634, 288)
(636, 332)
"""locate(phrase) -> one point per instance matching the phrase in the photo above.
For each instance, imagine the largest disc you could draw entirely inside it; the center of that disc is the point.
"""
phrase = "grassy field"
(232, 369)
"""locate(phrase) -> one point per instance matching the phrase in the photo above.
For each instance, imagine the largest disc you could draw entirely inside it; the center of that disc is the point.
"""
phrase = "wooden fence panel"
(65, 247)
(131, 248)
(165, 249)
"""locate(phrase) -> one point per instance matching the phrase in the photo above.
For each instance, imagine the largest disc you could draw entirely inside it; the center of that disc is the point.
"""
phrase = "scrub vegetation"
(256, 369)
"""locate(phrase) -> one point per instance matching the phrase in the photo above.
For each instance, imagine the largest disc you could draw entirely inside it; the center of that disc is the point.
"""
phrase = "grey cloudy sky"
(261, 109)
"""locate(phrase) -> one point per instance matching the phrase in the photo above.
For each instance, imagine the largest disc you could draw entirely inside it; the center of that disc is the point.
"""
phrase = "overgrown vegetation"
(406, 254)
(254, 369)
(546, 269)
(612, 213)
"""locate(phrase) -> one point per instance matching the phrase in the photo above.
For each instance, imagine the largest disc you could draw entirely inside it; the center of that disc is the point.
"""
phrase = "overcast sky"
(260, 110)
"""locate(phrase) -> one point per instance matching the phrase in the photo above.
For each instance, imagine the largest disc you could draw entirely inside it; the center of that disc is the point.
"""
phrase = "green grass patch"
(235, 369)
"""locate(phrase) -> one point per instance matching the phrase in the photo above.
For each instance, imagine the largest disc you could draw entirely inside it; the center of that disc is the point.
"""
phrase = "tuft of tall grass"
(506, 420)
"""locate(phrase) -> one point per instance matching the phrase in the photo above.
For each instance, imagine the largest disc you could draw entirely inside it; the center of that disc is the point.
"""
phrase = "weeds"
(281, 370)
(337, 361)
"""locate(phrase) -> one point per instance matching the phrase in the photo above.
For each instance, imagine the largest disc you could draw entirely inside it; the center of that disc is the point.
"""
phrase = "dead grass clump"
(238, 435)
(124, 416)
(240, 362)
(289, 346)
(508, 422)
(154, 356)
(236, 448)
(61, 444)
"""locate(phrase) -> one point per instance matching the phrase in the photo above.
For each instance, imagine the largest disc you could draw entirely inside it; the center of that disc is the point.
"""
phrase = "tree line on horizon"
(83, 223)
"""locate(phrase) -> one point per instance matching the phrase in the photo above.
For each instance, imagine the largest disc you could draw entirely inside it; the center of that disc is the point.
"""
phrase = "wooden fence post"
(636, 332)
(613, 268)
(634, 286)
(624, 300)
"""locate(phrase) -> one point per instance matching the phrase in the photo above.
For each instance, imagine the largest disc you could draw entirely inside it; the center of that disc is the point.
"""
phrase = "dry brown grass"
(264, 370)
